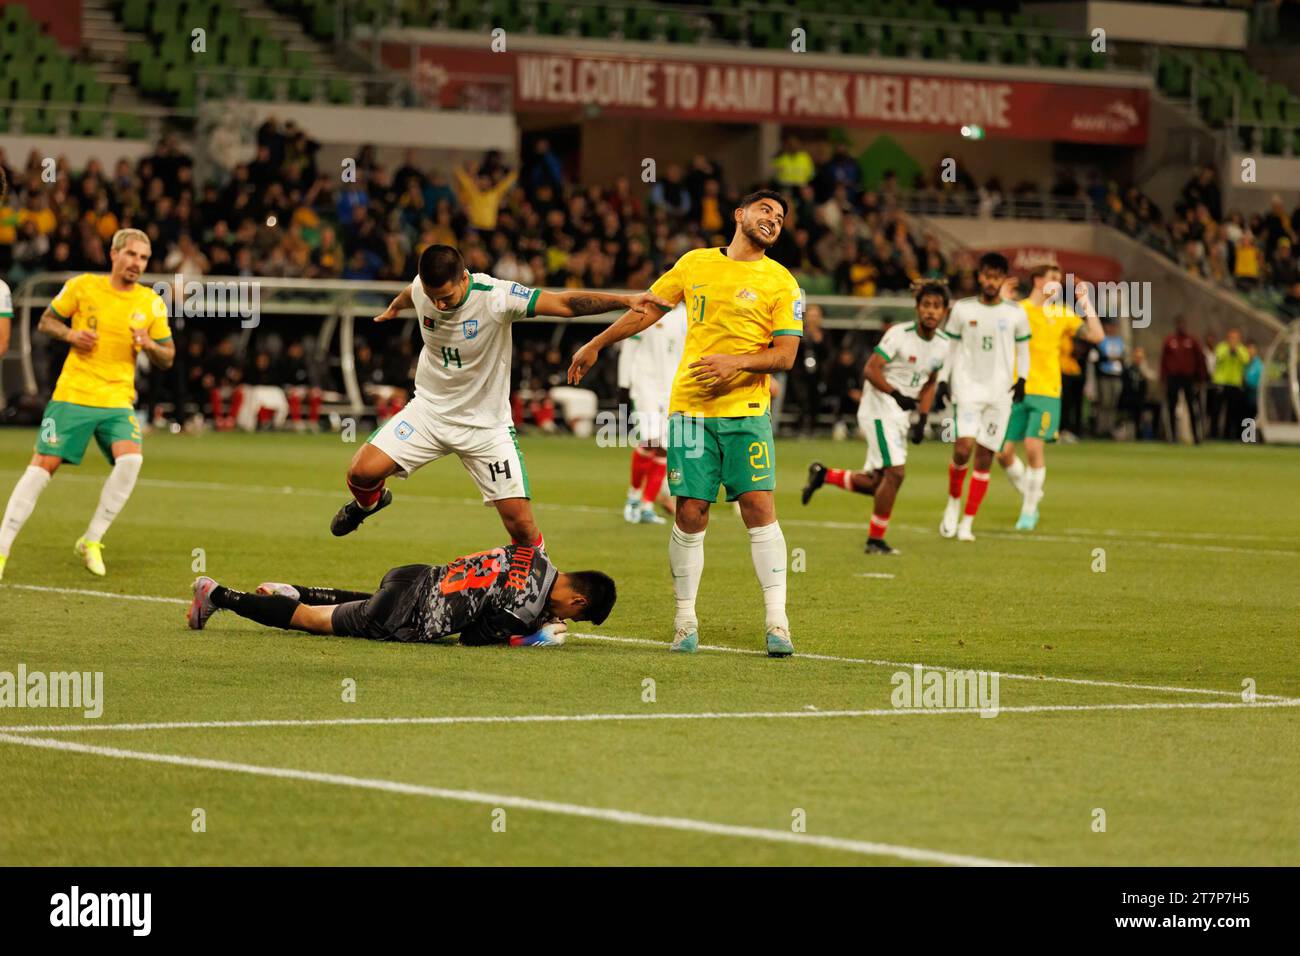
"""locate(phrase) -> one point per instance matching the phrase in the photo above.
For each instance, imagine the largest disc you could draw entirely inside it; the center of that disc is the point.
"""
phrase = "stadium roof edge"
(1127, 79)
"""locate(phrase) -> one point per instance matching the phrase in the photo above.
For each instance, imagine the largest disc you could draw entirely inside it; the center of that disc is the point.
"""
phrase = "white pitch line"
(625, 817)
(875, 574)
(1086, 682)
(1078, 539)
(611, 638)
(601, 718)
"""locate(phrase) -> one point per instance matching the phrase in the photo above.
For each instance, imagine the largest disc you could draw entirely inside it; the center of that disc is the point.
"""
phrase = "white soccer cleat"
(964, 532)
(646, 515)
(632, 508)
(951, 512)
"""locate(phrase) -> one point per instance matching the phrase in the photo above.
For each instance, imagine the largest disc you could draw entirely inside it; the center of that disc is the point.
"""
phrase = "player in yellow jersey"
(744, 320)
(1036, 419)
(107, 321)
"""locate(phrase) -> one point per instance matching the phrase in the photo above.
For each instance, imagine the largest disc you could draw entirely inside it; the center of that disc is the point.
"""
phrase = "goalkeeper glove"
(940, 396)
(548, 635)
(1018, 390)
(916, 434)
(905, 403)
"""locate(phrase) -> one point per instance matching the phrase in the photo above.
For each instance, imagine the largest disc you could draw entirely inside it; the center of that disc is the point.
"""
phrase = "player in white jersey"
(987, 370)
(901, 375)
(647, 363)
(462, 388)
(6, 322)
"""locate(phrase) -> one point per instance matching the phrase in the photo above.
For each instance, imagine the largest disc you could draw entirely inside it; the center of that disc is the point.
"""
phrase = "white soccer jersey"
(909, 362)
(656, 355)
(464, 367)
(984, 348)
(6, 302)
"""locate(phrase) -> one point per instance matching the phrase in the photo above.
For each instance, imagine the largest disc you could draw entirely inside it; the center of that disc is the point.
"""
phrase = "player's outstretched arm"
(629, 323)
(397, 306)
(583, 302)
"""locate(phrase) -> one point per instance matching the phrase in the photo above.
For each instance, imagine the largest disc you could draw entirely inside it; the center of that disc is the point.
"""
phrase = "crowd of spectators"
(280, 215)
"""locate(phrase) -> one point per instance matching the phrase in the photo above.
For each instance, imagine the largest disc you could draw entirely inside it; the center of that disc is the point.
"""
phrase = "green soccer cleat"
(92, 554)
(685, 641)
(1027, 522)
(779, 643)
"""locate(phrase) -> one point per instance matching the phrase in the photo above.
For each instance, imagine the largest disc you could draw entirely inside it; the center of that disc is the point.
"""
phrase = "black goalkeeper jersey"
(486, 597)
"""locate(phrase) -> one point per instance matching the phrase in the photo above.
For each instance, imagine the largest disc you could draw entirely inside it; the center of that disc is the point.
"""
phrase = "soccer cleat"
(686, 640)
(3, 559)
(964, 532)
(880, 546)
(351, 515)
(632, 508)
(92, 553)
(202, 608)
(779, 643)
(1027, 521)
(816, 478)
(284, 590)
(948, 524)
(646, 515)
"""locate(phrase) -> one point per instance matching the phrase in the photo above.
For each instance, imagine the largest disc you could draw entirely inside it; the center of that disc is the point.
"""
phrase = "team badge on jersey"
(748, 295)
(404, 430)
(470, 328)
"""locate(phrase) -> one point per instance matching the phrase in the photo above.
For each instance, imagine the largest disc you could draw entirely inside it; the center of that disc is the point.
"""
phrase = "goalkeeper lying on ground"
(507, 595)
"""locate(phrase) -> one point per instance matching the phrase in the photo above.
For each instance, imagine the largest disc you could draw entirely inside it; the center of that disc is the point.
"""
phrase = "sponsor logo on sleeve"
(520, 291)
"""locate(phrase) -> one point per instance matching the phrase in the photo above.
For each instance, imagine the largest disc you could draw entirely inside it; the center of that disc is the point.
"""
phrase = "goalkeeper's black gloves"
(940, 396)
(916, 434)
(1018, 390)
(905, 403)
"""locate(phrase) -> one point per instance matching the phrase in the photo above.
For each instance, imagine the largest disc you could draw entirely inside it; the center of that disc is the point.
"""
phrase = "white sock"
(21, 503)
(767, 548)
(1034, 488)
(686, 560)
(117, 489)
(1016, 472)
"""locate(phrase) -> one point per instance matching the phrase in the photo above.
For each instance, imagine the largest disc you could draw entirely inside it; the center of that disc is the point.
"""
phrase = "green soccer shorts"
(66, 430)
(705, 453)
(1037, 416)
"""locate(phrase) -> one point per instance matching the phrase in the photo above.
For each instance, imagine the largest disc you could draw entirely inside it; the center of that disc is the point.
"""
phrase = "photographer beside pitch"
(506, 595)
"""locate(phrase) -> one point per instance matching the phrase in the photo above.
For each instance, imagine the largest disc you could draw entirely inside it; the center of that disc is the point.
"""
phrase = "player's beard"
(757, 238)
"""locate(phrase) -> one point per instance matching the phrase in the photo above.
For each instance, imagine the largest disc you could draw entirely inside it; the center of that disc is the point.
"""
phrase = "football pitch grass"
(1120, 694)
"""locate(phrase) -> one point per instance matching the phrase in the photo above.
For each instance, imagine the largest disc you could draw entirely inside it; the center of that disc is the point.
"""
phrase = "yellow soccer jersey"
(105, 378)
(732, 308)
(1050, 328)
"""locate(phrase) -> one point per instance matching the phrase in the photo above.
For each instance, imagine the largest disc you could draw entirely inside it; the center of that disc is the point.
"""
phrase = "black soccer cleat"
(351, 515)
(880, 546)
(816, 478)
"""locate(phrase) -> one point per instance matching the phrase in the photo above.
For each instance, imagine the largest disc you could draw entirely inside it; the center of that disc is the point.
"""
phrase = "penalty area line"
(614, 639)
(597, 718)
(604, 814)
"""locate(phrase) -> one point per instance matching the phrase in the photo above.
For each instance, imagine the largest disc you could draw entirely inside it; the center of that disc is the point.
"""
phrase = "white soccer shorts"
(651, 419)
(886, 436)
(986, 422)
(413, 438)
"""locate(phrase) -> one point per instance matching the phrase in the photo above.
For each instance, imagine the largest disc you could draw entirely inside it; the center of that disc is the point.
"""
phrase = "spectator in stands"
(1291, 302)
(1276, 226)
(1230, 361)
(1283, 269)
(543, 169)
(1182, 367)
(670, 194)
(481, 197)
(1246, 265)
(793, 166)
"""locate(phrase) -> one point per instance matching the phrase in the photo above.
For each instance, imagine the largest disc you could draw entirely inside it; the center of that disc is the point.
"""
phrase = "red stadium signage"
(618, 85)
(749, 93)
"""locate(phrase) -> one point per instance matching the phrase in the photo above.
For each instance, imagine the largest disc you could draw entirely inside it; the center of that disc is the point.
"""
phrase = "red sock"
(957, 478)
(656, 471)
(839, 477)
(236, 402)
(640, 464)
(879, 525)
(979, 483)
(313, 406)
(295, 406)
(366, 497)
(214, 398)
(540, 543)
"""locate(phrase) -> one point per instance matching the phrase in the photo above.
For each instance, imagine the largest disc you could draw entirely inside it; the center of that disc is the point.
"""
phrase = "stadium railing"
(337, 304)
(480, 93)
